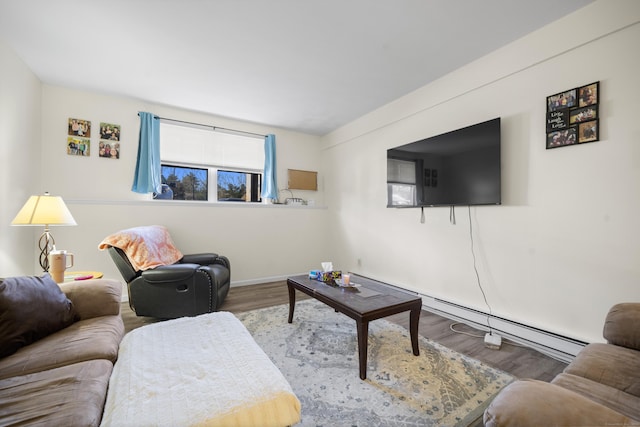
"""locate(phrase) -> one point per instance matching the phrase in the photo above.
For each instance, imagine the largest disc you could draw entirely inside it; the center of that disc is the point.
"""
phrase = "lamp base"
(46, 243)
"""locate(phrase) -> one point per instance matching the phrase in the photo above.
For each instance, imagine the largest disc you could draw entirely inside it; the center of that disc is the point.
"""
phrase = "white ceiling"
(306, 65)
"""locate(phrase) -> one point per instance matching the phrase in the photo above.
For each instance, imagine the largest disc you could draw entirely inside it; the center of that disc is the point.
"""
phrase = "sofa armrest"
(200, 259)
(94, 297)
(170, 273)
(223, 261)
(622, 325)
(206, 259)
(532, 403)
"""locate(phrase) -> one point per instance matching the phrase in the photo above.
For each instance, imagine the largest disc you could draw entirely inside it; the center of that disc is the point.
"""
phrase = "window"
(401, 182)
(401, 194)
(239, 186)
(203, 163)
(183, 183)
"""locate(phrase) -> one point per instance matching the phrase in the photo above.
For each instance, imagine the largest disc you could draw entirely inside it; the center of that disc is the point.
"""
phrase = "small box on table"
(329, 276)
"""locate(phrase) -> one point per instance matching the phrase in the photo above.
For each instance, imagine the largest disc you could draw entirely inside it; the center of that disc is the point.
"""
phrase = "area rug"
(318, 355)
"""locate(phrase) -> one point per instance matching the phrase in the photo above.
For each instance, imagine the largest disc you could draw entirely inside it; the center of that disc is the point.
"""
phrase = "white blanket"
(204, 370)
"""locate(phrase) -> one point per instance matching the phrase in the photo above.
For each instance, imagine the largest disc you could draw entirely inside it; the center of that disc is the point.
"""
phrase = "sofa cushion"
(622, 325)
(610, 397)
(611, 365)
(90, 339)
(94, 297)
(532, 403)
(71, 395)
(31, 308)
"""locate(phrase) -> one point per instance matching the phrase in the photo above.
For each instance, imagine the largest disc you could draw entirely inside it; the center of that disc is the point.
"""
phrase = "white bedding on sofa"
(205, 370)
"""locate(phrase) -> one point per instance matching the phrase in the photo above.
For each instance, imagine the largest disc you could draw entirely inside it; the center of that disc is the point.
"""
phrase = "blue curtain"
(148, 175)
(269, 183)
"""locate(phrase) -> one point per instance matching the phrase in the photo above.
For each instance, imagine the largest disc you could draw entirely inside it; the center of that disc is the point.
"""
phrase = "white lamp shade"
(44, 210)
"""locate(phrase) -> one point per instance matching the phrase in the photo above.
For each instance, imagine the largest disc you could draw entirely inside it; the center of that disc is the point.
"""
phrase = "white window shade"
(204, 146)
(401, 171)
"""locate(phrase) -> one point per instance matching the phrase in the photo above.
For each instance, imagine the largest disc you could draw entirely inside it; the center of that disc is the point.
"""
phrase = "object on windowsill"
(294, 201)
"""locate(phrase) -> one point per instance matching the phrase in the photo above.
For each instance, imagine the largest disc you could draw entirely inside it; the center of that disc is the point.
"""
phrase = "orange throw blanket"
(146, 247)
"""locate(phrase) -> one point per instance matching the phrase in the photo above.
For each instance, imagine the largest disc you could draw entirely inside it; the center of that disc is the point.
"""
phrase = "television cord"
(453, 326)
(475, 268)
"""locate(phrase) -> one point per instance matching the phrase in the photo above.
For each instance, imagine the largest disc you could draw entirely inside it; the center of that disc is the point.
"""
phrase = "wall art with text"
(573, 117)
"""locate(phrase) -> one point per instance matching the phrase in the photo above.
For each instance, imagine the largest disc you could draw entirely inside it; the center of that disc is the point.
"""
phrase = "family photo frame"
(79, 137)
(78, 141)
(109, 145)
(573, 117)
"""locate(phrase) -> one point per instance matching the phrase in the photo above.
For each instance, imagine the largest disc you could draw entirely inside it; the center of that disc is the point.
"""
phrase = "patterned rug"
(318, 355)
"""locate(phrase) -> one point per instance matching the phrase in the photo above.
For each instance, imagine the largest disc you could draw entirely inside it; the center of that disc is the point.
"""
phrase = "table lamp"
(44, 210)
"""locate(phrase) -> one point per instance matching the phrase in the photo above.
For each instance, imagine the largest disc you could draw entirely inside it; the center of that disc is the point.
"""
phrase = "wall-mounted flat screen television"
(461, 167)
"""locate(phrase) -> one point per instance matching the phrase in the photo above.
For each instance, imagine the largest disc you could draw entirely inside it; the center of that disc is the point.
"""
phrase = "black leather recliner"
(196, 284)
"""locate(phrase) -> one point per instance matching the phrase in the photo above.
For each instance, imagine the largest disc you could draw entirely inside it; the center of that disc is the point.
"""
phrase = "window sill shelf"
(192, 203)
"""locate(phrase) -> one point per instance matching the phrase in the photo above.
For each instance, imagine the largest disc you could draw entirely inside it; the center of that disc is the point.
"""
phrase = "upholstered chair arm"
(170, 273)
(223, 261)
(219, 275)
(94, 297)
(202, 259)
(532, 403)
(622, 325)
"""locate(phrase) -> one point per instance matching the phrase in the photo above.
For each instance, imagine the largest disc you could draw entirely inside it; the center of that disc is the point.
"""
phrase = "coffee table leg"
(414, 320)
(363, 340)
(292, 301)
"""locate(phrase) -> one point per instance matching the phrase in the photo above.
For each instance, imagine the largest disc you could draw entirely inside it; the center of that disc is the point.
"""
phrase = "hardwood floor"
(520, 362)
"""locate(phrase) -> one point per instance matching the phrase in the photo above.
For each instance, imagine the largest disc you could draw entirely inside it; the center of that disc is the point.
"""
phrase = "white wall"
(20, 98)
(262, 242)
(80, 178)
(565, 244)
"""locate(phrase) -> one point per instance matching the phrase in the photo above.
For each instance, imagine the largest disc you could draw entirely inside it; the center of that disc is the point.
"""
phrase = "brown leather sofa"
(58, 345)
(600, 387)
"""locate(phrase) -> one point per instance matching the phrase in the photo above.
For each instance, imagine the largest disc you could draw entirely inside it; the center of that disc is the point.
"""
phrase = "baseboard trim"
(261, 280)
(234, 283)
(553, 345)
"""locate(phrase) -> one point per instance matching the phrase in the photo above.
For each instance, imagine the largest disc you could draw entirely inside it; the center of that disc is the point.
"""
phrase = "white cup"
(59, 261)
(346, 279)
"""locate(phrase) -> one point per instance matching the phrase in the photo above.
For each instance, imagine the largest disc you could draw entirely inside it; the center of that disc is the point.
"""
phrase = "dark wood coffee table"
(374, 300)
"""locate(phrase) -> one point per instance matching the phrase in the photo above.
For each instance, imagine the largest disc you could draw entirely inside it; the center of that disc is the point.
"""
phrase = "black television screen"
(461, 167)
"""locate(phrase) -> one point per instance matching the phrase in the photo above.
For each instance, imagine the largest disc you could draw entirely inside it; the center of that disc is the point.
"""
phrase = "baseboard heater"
(553, 345)
(556, 346)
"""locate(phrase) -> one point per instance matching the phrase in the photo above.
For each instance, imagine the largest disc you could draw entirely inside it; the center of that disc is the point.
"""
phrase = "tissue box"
(329, 276)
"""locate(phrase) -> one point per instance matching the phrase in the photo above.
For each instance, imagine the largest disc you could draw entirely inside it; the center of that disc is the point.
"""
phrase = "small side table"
(72, 275)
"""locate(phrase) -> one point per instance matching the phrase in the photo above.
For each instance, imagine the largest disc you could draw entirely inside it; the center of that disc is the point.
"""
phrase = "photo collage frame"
(79, 139)
(573, 116)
